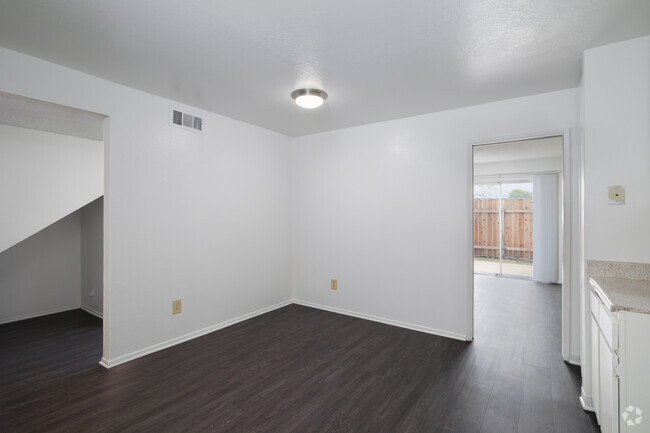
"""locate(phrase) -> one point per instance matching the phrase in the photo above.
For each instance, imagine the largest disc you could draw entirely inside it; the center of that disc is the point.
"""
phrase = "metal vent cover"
(186, 120)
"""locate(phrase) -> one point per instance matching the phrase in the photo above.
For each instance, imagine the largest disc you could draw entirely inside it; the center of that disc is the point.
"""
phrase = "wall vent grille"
(186, 121)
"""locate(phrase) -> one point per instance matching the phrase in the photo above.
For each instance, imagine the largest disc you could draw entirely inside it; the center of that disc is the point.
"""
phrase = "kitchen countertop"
(623, 294)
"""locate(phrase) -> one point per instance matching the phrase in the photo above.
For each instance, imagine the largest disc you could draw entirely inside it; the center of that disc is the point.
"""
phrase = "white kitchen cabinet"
(595, 369)
(608, 387)
(620, 355)
(634, 371)
(605, 364)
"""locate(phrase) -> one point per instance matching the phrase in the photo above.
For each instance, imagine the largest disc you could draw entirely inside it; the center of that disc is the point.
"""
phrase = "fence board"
(518, 228)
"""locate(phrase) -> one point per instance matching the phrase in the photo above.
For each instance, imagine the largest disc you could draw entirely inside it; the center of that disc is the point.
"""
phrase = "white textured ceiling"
(377, 59)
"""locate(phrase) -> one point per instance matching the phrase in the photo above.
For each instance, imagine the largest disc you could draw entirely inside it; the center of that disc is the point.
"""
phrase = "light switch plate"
(616, 194)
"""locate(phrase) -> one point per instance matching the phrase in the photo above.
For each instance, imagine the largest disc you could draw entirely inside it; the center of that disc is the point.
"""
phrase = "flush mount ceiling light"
(309, 98)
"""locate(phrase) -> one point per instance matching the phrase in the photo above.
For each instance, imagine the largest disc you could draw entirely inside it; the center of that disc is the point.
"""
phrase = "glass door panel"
(517, 229)
(487, 228)
(503, 228)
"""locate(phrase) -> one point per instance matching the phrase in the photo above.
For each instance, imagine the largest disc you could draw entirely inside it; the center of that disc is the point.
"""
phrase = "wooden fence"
(518, 228)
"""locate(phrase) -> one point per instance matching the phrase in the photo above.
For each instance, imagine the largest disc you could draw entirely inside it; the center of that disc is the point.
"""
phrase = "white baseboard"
(40, 313)
(586, 401)
(183, 338)
(91, 311)
(574, 358)
(439, 332)
(169, 343)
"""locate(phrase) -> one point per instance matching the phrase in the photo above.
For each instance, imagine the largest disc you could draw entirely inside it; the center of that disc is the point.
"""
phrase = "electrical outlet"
(92, 293)
(334, 285)
(176, 306)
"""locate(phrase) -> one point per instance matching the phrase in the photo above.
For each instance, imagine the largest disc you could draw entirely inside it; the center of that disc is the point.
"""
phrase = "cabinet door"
(608, 382)
(595, 367)
(634, 388)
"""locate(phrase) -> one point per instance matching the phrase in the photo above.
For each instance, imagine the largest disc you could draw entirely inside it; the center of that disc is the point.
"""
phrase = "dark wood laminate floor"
(298, 369)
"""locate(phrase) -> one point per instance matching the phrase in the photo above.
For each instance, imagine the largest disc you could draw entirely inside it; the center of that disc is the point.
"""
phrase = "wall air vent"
(186, 121)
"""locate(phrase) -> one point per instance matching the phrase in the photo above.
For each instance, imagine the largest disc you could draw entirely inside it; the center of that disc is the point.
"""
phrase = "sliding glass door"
(503, 228)
(487, 228)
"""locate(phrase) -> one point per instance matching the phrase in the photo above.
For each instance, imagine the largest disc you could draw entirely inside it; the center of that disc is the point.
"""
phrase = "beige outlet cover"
(616, 194)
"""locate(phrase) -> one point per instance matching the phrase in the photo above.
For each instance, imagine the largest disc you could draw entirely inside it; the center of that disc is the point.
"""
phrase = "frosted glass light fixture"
(309, 98)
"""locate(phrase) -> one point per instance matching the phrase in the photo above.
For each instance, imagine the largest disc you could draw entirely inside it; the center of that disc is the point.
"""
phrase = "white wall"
(533, 165)
(34, 114)
(43, 177)
(201, 217)
(207, 217)
(92, 256)
(617, 150)
(526, 156)
(41, 274)
(615, 114)
(384, 209)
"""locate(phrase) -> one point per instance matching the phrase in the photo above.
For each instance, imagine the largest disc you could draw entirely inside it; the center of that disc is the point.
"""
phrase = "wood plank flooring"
(299, 369)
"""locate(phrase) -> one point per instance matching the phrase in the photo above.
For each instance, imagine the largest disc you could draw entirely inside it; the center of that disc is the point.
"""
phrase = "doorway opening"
(52, 239)
(518, 197)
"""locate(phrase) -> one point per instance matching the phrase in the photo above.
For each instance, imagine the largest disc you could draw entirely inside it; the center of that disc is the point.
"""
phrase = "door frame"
(565, 225)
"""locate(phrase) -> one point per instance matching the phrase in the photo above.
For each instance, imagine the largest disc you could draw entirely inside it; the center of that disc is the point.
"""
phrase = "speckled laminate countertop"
(623, 294)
